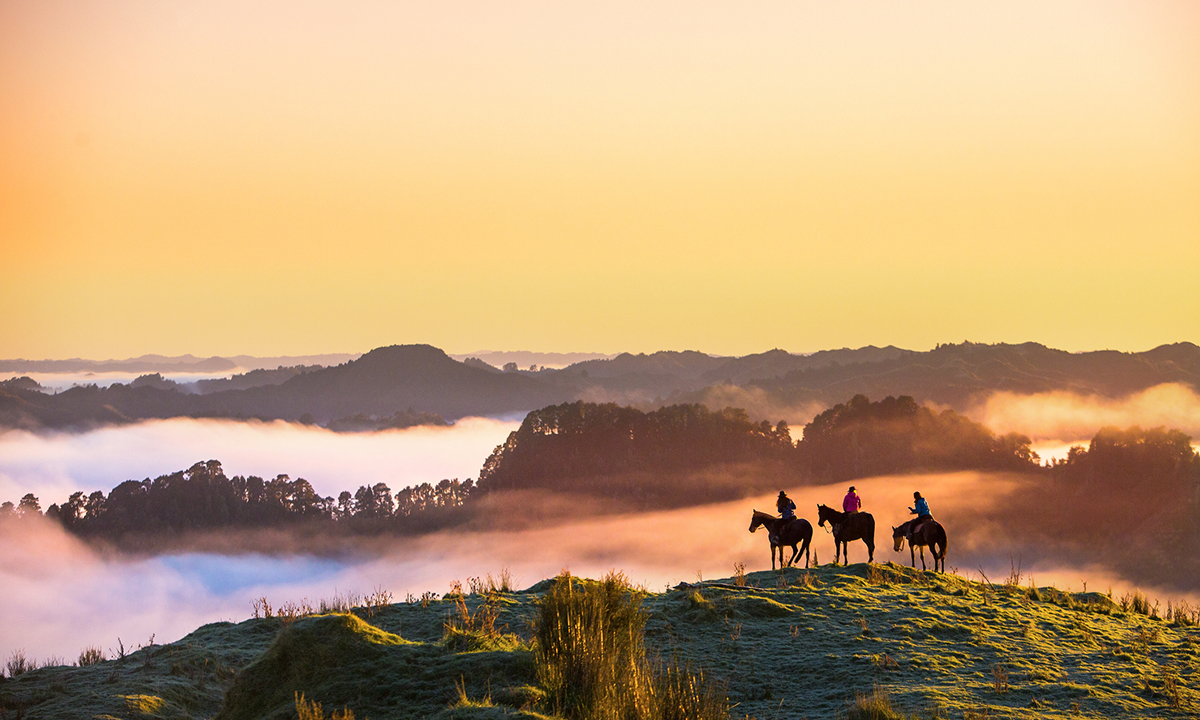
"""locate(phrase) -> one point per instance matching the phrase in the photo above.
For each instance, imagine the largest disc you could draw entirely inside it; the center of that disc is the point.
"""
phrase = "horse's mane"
(764, 515)
(833, 511)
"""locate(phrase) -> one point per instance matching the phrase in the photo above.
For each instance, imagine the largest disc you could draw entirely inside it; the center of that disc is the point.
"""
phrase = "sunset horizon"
(448, 359)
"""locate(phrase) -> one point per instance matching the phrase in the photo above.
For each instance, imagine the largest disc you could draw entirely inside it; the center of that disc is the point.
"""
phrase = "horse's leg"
(912, 554)
(792, 559)
(772, 556)
(923, 558)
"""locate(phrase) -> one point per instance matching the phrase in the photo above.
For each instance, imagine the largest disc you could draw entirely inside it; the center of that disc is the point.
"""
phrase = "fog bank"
(1062, 415)
(68, 596)
(53, 465)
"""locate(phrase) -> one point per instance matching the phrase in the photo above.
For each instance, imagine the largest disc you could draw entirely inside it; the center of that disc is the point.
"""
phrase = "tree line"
(204, 498)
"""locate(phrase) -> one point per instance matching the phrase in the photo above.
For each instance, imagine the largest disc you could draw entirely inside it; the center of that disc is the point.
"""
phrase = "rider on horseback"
(852, 503)
(785, 506)
(921, 510)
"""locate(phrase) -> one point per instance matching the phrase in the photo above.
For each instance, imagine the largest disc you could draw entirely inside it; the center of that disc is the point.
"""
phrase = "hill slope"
(792, 644)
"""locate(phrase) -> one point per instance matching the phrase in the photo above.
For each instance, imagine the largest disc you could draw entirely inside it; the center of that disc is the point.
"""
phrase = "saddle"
(918, 525)
(776, 537)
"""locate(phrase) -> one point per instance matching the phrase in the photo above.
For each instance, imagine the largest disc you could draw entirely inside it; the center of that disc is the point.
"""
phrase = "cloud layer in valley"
(1057, 420)
(53, 465)
(69, 596)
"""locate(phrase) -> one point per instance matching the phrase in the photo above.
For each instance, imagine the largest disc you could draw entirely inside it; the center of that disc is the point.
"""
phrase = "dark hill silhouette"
(957, 375)
(426, 380)
(401, 376)
(777, 363)
(380, 383)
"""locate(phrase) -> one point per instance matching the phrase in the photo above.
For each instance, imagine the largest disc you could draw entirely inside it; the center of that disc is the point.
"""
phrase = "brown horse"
(847, 527)
(784, 533)
(931, 535)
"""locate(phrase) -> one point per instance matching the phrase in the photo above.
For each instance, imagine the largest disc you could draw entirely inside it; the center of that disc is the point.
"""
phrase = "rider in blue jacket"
(785, 506)
(921, 510)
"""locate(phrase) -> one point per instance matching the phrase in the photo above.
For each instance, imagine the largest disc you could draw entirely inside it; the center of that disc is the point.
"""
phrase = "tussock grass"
(875, 705)
(312, 710)
(591, 658)
(467, 631)
(91, 655)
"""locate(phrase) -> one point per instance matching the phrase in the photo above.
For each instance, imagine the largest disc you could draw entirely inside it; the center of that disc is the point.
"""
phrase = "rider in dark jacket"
(785, 506)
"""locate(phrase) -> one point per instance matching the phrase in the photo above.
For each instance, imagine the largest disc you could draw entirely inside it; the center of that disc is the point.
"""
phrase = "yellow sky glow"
(291, 177)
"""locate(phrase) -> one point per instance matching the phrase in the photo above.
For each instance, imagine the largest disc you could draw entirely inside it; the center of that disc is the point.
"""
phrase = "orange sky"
(292, 177)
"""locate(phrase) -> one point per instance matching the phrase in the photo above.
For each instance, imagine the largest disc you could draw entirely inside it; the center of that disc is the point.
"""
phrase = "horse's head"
(755, 521)
(822, 515)
(898, 538)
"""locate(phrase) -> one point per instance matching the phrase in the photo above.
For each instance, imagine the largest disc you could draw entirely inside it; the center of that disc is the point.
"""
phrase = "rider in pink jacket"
(852, 503)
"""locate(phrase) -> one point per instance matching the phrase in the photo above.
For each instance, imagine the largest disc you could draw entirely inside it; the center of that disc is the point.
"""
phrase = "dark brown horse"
(931, 535)
(847, 527)
(783, 533)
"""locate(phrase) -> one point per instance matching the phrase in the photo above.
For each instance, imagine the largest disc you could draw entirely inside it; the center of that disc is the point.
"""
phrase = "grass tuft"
(312, 710)
(591, 658)
(875, 705)
(18, 664)
(91, 655)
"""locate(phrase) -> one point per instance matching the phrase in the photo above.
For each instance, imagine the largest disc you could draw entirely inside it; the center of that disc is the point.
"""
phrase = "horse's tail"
(945, 543)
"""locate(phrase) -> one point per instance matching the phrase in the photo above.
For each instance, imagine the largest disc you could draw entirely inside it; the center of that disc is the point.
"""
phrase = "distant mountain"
(957, 375)
(171, 364)
(143, 364)
(524, 358)
(417, 378)
(772, 385)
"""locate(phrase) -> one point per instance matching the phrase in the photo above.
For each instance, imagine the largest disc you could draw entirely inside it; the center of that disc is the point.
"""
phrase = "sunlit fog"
(70, 596)
(1057, 420)
(53, 465)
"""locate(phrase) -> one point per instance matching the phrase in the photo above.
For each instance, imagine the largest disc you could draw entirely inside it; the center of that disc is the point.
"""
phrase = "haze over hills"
(172, 364)
(425, 379)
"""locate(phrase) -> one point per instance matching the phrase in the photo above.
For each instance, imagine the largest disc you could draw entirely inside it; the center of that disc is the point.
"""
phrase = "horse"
(931, 535)
(784, 532)
(847, 527)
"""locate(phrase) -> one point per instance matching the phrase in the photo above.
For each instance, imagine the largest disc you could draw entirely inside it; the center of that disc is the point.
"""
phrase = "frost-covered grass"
(860, 641)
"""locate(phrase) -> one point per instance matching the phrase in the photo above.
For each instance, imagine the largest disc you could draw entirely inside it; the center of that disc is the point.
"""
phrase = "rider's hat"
(851, 488)
(781, 492)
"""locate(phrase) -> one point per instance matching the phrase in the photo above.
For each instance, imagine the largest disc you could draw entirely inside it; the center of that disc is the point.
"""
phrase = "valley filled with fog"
(72, 594)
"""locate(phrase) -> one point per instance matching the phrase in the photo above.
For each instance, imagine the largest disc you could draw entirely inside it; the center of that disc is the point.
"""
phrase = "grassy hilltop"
(830, 642)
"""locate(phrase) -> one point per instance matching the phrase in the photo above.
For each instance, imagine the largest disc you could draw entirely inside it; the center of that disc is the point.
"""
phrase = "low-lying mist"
(69, 595)
(53, 465)
(1057, 420)
(59, 381)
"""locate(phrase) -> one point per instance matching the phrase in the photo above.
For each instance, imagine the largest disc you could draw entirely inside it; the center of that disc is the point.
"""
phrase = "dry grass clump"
(591, 658)
(466, 631)
(90, 656)
(875, 705)
(739, 574)
(18, 664)
(488, 585)
(312, 710)
(1136, 602)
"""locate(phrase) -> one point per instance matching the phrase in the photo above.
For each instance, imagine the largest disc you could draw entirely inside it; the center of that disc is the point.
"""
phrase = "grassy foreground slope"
(786, 645)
